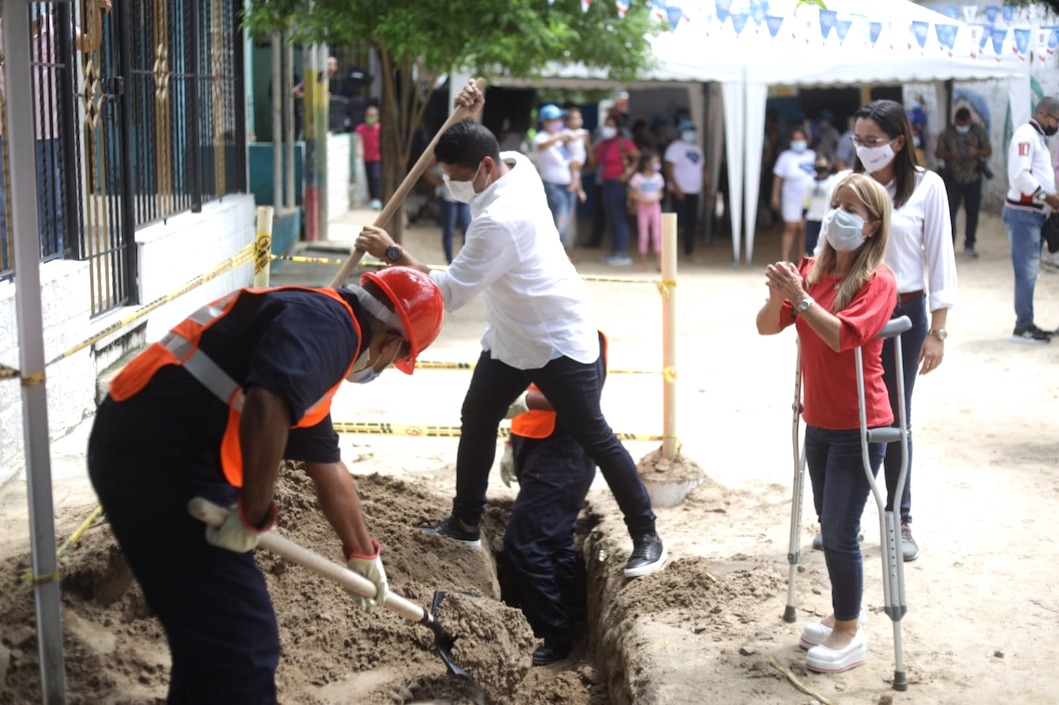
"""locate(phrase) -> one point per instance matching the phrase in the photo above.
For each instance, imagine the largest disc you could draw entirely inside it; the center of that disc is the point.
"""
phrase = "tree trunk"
(393, 168)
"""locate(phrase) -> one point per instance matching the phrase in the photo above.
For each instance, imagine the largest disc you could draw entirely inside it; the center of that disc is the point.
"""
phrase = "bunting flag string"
(874, 30)
(919, 32)
(622, 7)
(774, 23)
(842, 29)
(739, 21)
(724, 8)
(827, 21)
(946, 35)
(673, 16)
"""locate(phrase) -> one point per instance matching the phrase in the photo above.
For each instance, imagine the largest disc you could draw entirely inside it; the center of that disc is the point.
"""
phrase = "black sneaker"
(550, 652)
(970, 253)
(455, 529)
(648, 556)
(1031, 335)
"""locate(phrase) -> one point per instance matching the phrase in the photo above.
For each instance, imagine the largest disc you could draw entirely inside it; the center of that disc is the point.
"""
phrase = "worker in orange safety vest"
(209, 411)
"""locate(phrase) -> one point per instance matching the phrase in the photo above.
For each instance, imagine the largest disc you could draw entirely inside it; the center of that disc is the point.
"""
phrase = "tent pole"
(21, 146)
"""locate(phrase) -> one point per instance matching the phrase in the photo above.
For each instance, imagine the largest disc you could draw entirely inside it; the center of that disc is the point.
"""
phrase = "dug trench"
(335, 652)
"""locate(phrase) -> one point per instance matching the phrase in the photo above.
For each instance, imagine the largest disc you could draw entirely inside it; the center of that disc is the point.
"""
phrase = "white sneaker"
(816, 633)
(824, 659)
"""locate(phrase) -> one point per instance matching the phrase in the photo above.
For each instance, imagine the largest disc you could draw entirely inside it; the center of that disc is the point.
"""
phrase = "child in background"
(818, 201)
(646, 189)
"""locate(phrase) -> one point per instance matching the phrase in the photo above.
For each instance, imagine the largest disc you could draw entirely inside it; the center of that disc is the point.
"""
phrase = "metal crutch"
(794, 551)
(889, 522)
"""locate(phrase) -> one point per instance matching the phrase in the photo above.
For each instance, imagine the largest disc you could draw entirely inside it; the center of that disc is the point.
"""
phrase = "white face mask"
(368, 373)
(688, 135)
(875, 158)
(844, 230)
(610, 132)
(462, 191)
(799, 146)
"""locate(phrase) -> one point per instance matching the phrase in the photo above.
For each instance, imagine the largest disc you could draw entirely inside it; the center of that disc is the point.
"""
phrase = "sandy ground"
(982, 608)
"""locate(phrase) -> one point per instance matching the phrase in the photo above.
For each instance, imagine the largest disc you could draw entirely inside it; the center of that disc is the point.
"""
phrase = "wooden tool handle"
(209, 513)
(397, 199)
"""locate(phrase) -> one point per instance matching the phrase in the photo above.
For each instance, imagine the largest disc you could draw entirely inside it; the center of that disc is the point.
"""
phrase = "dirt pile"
(332, 650)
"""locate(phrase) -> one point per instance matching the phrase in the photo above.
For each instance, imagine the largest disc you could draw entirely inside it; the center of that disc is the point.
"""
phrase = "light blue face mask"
(844, 230)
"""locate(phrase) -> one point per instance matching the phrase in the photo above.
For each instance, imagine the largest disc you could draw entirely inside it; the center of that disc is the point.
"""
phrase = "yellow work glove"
(236, 533)
(519, 406)
(507, 466)
(371, 568)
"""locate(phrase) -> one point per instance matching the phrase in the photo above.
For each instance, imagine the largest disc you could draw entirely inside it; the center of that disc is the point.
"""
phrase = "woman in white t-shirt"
(790, 180)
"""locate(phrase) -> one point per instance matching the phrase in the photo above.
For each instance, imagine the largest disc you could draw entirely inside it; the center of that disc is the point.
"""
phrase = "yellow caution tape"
(33, 378)
(665, 286)
(376, 428)
(309, 260)
(616, 280)
(669, 374)
(9, 372)
(237, 260)
(437, 365)
(28, 580)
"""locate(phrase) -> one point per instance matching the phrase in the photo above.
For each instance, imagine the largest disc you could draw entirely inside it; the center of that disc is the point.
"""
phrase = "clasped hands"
(785, 281)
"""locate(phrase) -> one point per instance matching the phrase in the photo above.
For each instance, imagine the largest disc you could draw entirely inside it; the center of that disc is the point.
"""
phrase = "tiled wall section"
(170, 255)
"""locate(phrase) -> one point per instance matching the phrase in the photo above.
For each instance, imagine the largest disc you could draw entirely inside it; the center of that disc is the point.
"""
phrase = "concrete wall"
(339, 157)
(170, 254)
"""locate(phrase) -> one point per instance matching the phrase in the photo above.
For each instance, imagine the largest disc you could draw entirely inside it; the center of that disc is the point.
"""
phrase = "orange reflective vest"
(180, 347)
(537, 423)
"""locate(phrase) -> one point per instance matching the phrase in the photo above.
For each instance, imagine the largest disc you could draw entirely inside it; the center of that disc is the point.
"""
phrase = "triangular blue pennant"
(673, 15)
(946, 34)
(774, 23)
(991, 12)
(1008, 11)
(723, 9)
(739, 21)
(842, 28)
(919, 31)
(827, 21)
(1022, 40)
(875, 29)
(997, 34)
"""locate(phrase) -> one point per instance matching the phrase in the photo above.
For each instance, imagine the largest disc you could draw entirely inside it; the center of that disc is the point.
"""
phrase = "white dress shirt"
(536, 304)
(920, 251)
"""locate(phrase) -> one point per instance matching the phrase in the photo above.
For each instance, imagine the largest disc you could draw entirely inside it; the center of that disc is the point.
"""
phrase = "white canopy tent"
(749, 45)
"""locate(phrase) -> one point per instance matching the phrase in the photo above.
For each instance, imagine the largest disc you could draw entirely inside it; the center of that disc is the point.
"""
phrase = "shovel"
(209, 513)
(402, 190)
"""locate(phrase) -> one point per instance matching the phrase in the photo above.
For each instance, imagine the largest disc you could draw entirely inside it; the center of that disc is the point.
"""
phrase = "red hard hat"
(417, 300)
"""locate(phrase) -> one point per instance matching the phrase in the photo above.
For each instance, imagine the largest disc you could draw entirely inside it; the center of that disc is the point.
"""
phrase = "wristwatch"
(939, 333)
(393, 253)
(803, 306)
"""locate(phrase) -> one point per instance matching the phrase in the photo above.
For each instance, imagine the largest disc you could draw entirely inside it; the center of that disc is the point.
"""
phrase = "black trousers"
(213, 603)
(970, 195)
(573, 389)
(554, 476)
(687, 210)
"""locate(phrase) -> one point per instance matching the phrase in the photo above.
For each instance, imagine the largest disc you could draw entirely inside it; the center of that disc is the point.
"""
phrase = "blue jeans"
(453, 215)
(573, 389)
(617, 216)
(911, 343)
(559, 204)
(840, 490)
(1024, 235)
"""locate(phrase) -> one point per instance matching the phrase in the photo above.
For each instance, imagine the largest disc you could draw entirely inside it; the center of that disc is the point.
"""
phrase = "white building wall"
(170, 254)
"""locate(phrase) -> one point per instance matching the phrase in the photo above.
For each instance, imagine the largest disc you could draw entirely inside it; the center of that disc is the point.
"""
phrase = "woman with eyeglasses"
(920, 254)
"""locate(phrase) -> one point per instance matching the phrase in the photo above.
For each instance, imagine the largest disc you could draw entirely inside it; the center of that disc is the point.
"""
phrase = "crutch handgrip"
(890, 434)
(895, 327)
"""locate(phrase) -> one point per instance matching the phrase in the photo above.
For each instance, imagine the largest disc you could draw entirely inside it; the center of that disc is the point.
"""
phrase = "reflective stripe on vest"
(180, 347)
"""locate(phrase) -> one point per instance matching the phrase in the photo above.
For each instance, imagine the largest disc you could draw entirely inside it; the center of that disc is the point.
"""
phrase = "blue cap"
(550, 112)
(686, 125)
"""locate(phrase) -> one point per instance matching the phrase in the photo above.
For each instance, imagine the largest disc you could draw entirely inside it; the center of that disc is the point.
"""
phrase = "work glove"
(507, 466)
(519, 406)
(236, 533)
(371, 568)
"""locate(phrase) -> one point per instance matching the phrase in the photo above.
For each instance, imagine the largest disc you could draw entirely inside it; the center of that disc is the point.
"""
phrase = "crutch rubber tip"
(790, 614)
(901, 681)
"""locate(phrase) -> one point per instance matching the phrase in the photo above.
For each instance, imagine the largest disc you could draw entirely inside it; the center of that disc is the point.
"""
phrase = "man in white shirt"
(685, 172)
(551, 146)
(537, 331)
(1031, 198)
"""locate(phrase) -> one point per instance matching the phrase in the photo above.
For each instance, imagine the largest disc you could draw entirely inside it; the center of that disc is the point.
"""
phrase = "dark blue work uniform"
(554, 475)
(150, 454)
